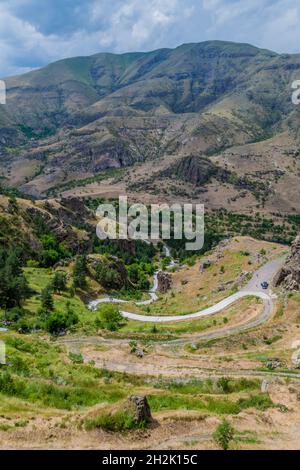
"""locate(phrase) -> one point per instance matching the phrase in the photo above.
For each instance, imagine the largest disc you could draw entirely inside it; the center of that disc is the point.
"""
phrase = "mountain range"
(212, 121)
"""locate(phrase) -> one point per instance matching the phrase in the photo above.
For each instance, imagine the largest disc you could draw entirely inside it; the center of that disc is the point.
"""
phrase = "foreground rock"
(140, 407)
(289, 276)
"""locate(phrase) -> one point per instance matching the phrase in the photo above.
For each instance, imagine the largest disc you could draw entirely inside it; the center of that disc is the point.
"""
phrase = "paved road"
(253, 288)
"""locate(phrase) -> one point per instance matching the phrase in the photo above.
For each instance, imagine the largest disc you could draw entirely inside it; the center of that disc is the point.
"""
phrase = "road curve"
(253, 288)
(202, 313)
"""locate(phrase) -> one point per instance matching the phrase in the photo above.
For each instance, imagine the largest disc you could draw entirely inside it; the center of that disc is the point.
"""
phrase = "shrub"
(110, 317)
(49, 258)
(79, 273)
(224, 434)
(117, 422)
(260, 402)
(76, 358)
(107, 276)
(47, 299)
(60, 321)
(59, 282)
(18, 365)
(31, 263)
(14, 314)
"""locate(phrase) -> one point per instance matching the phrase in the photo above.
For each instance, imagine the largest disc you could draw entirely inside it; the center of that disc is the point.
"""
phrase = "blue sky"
(36, 32)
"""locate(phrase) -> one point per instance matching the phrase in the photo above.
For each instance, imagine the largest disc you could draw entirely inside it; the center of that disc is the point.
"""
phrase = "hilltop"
(76, 118)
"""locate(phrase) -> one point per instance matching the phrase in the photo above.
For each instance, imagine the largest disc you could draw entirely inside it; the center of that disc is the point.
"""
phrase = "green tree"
(59, 282)
(47, 299)
(49, 258)
(224, 434)
(15, 314)
(138, 277)
(79, 273)
(61, 321)
(107, 277)
(14, 287)
(13, 265)
(109, 317)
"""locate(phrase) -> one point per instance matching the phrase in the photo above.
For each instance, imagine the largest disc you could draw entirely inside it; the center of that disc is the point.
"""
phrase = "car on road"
(265, 285)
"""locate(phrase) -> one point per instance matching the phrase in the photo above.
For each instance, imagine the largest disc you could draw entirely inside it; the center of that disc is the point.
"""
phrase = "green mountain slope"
(80, 116)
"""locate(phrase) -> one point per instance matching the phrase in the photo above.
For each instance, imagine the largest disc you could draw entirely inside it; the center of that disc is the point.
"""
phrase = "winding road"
(253, 288)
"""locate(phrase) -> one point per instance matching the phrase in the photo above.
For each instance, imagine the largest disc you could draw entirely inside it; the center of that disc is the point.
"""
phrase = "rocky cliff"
(164, 282)
(289, 276)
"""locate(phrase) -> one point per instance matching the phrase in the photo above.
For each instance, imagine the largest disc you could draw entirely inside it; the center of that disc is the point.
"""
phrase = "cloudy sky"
(36, 32)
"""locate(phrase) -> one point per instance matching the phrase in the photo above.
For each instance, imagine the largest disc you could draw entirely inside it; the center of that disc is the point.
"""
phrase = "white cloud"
(130, 25)
(227, 11)
(135, 25)
(272, 24)
(282, 31)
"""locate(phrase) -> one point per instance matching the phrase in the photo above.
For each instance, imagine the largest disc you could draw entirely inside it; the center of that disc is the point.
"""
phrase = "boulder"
(264, 386)
(139, 352)
(205, 265)
(274, 363)
(140, 407)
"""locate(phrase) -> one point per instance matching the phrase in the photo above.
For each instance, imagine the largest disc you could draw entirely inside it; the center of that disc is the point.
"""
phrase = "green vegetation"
(109, 317)
(79, 273)
(110, 173)
(219, 406)
(221, 224)
(11, 191)
(59, 322)
(59, 282)
(224, 385)
(224, 434)
(119, 421)
(47, 302)
(14, 288)
(38, 371)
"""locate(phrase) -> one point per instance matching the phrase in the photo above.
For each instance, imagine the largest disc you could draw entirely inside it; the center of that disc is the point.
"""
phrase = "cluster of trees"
(53, 251)
(56, 321)
(108, 277)
(138, 275)
(14, 289)
(142, 253)
(135, 276)
(59, 321)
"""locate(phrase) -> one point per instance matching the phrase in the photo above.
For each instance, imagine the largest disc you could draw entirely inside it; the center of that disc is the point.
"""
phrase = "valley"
(121, 344)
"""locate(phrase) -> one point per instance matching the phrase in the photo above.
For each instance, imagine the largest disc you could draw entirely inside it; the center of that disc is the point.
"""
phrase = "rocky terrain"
(218, 114)
(209, 123)
(23, 222)
(289, 275)
(164, 282)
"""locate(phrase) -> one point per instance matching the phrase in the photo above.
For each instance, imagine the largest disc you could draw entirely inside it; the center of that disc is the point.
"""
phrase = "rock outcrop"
(205, 265)
(289, 276)
(164, 282)
(196, 170)
(141, 409)
(109, 271)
